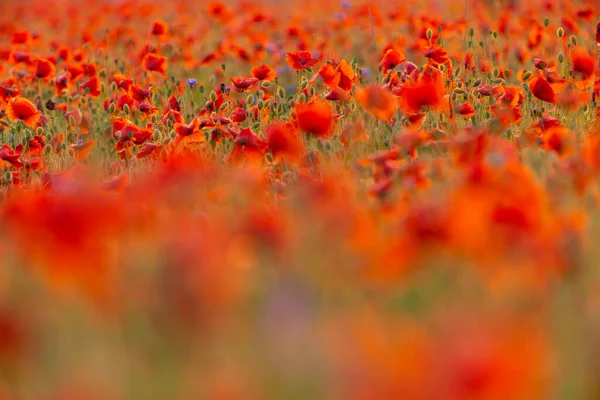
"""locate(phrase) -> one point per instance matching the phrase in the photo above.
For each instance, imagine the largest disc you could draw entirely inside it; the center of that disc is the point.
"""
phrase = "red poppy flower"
(542, 90)
(138, 93)
(466, 110)
(283, 142)
(249, 146)
(238, 115)
(93, 84)
(44, 69)
(152, 62)
(436, 54)
(583, 63)
(300, 60)
(391, 59)
(315, 117)
(242, 84)
(146, 150)
(377, 101)
(415, 97)
(159, 28)
(21, 109)
(10, 156)
(264, 73)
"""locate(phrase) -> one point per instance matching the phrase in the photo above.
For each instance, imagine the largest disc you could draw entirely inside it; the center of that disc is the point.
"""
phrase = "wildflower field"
(260, 199)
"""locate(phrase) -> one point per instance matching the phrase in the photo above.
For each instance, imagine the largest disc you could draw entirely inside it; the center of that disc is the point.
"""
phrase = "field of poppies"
(311, 199)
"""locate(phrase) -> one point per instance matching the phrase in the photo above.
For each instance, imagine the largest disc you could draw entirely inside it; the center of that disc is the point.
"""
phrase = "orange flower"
(44, 69)
(152, 62)
(82, 148)
(377, 101)
(264, 73)
(542, 90)
(315, 117)
(330, 75)
(346, 74)
(300, 60)
(391, 59)
(21, 109)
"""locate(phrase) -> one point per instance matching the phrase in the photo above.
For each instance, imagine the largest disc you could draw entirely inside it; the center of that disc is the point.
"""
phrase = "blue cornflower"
(191, 82)
(345, 4)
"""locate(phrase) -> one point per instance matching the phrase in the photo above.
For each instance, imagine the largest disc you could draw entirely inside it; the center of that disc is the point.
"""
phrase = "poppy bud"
(429, 33)
(47, 149)
(126, 108)
(173, 134)
(498, 80)
(266, 84)
(496, 72)
(573, 40)
(281, 92)
(223, 107)
(71, 152)
(157, 135)
(495, 35)
(471, 32)
(546, 22)
(527, 75)
(213, 95)
(560, 32)
(8, 176)
(113, 86)
(561, 57)
(4, 123)
(458, 91)
(166, 141)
